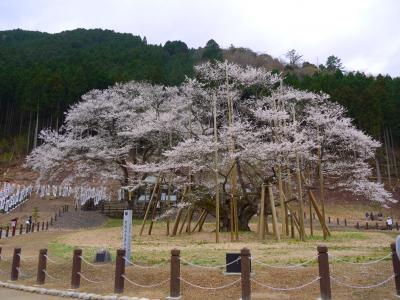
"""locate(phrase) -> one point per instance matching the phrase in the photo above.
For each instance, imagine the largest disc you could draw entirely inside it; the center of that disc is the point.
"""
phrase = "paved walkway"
(6, 294)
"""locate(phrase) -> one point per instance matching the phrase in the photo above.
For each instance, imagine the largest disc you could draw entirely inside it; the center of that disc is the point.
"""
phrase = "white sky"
(364, 34)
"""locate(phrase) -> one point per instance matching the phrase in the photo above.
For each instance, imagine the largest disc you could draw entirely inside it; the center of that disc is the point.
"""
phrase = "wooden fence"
(175, 279)
(30, 228)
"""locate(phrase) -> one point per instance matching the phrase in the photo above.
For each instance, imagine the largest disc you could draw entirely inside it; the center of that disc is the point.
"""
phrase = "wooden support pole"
(15, 264)
(119, 271)
(149, 205)
(245, 274)
(7, 230)
(175, 273)
(311, 220)
(324, 274)
(273, 212)
(300, 197)
(21, 228)
(76, 269)
(42, 264)
(176, 223)
(291, 227)
(199, 220)
(185, 216)
(202, 222)
(282, 202)
(261, 233)
(319, 214)
(189, 223)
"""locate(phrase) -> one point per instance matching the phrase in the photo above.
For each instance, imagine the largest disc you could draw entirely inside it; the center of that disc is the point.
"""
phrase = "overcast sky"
(365, 34)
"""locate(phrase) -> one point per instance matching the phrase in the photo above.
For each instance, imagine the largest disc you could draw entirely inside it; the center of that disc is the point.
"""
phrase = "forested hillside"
(42, 74)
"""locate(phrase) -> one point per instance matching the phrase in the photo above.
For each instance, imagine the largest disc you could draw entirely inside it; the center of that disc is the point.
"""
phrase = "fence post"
(76, 268)
(27, 229)
(175, 282)
(1, 232)
(325, 278)
(337, 220)
(41, 275)
(42, 225)
(21, 227)
(396, 268)
(119, 271)
(329, 220)
(366, 225)
(245, 274)
(13, 229)
(7, 230)
(15, 264)
(358, 226)
(37, 226)
(345, 222)
(47, 225)
(55, 217)
(33, 227)
(51, 221)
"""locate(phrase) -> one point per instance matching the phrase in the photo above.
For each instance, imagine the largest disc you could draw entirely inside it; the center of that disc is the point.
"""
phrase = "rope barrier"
(142, 267)
(22, 273)
(360, 286)
(208, 267)
(89, 280)
(3, 258)
(51, 277)
(89, 263)
(50, 260)
(25, 257)
(361, 263)
(209, 288)
(145, 286)
(286, 289)
(284, 267)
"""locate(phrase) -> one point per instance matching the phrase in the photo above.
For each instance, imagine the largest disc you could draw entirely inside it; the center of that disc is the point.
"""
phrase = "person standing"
(389, 223)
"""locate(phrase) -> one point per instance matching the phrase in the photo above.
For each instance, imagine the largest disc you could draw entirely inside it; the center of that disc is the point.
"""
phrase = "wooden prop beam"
(318, 212)
(273, 211)
(150, 203)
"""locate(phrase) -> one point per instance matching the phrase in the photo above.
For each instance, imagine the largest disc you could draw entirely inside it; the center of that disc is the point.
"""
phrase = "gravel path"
(6, 294)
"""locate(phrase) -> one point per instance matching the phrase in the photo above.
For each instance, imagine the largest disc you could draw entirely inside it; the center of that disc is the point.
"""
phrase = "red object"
(14, 225)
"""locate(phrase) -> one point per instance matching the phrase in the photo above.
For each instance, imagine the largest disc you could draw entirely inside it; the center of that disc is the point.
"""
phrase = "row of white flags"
(81, 194)
(13, 195)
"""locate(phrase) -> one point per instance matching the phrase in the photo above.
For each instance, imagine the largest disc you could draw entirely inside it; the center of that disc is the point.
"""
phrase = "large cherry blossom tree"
(237, 124)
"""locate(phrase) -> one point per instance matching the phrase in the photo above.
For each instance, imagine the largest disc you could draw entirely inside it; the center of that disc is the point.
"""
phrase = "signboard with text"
(127, 234)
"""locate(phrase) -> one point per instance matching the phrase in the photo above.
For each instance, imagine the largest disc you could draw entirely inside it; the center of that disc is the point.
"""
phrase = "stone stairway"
(79, 219)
